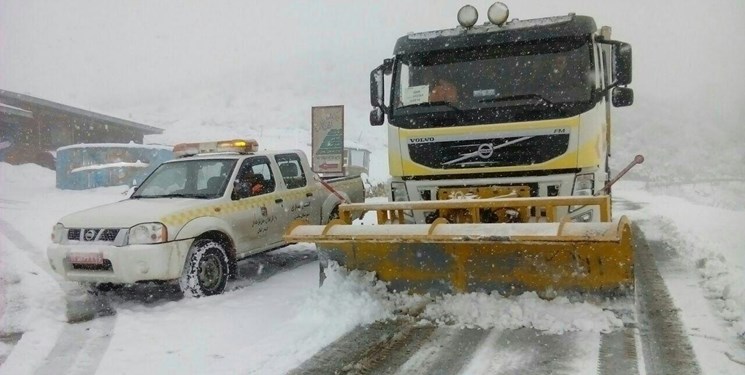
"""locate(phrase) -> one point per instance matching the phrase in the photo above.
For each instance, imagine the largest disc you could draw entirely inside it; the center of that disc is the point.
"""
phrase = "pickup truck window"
(200, 179)
(292, 170)
(255, 177)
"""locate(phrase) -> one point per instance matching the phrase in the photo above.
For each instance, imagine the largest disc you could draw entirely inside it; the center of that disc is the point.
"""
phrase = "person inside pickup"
(251, 180)
(256, 183)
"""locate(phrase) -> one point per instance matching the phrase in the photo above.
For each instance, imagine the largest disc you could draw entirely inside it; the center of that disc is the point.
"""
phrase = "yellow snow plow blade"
(542, 255)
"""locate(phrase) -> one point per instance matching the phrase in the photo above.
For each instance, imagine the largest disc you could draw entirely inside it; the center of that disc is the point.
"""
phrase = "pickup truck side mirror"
(240, 190)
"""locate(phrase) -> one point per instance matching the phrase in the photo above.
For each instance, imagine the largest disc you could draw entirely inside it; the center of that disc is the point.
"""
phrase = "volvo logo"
(484, 150)
(421, 140)
(90, 235)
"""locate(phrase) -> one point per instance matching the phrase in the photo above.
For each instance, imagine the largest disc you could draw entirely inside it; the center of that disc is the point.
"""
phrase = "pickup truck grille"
(92, 234)
(489, 152)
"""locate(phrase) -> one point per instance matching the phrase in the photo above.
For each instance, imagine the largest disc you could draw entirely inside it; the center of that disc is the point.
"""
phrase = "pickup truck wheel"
(206, 271)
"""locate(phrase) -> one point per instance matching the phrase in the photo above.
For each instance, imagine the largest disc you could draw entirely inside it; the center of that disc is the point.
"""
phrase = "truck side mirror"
(622, 97)
(377, 117)
(377, 91)
(622, 63)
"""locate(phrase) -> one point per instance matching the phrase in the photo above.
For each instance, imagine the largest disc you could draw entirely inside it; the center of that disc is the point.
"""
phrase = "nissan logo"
(89, 235)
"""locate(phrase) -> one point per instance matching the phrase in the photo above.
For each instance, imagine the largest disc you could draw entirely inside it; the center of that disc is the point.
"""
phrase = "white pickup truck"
(195, 216)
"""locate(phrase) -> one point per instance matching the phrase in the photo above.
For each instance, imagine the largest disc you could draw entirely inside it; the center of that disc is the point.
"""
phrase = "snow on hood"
(126, 213)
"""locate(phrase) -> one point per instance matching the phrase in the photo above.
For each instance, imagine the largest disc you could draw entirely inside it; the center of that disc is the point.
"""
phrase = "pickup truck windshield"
(199, 179)
(496, 83)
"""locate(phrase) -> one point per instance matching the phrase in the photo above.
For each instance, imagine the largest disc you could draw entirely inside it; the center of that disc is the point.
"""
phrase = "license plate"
(86, 258)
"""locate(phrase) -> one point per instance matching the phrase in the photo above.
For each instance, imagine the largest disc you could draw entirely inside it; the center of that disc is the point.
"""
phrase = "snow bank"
(709, 238)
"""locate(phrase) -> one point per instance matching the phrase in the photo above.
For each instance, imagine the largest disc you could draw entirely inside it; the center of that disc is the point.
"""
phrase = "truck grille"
(92, 234)
(488, 152)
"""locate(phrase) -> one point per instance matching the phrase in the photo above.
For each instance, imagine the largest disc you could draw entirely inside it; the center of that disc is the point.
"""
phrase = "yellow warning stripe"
(227, 207)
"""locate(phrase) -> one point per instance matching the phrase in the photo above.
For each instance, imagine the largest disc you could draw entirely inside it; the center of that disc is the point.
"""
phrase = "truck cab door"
(299, 196)
(258, 209)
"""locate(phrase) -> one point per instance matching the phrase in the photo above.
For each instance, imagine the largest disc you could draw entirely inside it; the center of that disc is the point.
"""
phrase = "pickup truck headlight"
(58, 232)
(148, 233)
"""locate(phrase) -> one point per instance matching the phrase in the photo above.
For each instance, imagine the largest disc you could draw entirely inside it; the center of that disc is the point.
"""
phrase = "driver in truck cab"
(252, 182)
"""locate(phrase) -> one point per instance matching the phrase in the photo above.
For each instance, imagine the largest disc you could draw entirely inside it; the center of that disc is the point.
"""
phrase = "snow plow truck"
(499, 141)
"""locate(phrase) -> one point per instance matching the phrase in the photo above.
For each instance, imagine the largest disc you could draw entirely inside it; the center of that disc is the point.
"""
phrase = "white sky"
(112, 54)
(253, 65)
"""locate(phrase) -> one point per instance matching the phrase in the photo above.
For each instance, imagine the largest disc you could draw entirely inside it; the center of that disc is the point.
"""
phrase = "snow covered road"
(275, 318)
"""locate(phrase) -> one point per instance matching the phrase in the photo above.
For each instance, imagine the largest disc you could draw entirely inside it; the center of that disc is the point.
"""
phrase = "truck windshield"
(496, 83)
(199, 179)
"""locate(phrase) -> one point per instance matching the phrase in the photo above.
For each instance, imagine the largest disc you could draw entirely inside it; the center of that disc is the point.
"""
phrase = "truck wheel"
(206, 271)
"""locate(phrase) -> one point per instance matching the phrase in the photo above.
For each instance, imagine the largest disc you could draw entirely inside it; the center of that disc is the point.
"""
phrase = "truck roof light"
(242, 146)
(498, 13)
(467, 16)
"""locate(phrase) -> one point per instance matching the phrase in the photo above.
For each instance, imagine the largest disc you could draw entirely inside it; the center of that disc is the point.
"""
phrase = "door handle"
(308, 194)
(278, 200)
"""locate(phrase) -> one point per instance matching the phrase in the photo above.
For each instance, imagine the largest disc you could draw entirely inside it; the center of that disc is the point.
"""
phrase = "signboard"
(328, 140)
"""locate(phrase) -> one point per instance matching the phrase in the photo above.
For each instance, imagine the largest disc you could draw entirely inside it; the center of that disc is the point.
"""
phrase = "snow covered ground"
(272, 326)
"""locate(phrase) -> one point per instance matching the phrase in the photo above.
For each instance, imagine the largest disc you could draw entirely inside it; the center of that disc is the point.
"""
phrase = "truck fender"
(200, 225)
(329, 204)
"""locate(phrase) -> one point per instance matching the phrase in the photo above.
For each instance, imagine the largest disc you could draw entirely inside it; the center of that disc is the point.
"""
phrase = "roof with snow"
(17, 98)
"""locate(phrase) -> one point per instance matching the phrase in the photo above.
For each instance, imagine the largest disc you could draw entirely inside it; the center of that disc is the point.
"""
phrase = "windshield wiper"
(432, 104)
(515, 98)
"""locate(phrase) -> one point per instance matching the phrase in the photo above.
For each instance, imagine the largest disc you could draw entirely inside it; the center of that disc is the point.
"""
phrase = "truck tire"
(206, 270)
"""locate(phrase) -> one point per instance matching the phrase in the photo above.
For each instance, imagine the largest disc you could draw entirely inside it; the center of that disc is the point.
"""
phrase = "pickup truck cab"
(195, 216)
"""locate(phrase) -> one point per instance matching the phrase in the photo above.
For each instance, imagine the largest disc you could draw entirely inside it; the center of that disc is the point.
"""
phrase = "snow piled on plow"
(359, 294)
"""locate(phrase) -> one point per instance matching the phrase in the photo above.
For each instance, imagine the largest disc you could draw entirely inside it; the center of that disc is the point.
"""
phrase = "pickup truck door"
(298, 199)
(259, 207)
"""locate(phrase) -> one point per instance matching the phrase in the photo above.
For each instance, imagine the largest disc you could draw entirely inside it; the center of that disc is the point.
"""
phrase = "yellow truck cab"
(193, 217)
(527, 109)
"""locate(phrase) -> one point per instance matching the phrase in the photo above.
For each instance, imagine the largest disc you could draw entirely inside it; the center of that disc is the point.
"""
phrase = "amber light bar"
(242, 146)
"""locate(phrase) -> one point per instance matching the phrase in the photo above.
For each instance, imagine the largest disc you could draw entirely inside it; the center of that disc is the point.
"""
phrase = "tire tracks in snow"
(665, 345)
(80, 346)
(403, 346)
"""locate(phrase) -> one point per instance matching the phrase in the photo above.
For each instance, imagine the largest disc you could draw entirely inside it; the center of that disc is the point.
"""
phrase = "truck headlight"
(148, 233)
(584, 185)
(398, 192)
(58, 233)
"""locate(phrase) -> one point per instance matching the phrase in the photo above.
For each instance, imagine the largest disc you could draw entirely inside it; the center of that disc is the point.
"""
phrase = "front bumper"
(122, 264)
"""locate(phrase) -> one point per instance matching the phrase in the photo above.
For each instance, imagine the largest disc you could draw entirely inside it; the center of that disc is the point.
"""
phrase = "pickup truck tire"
(206, 270)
